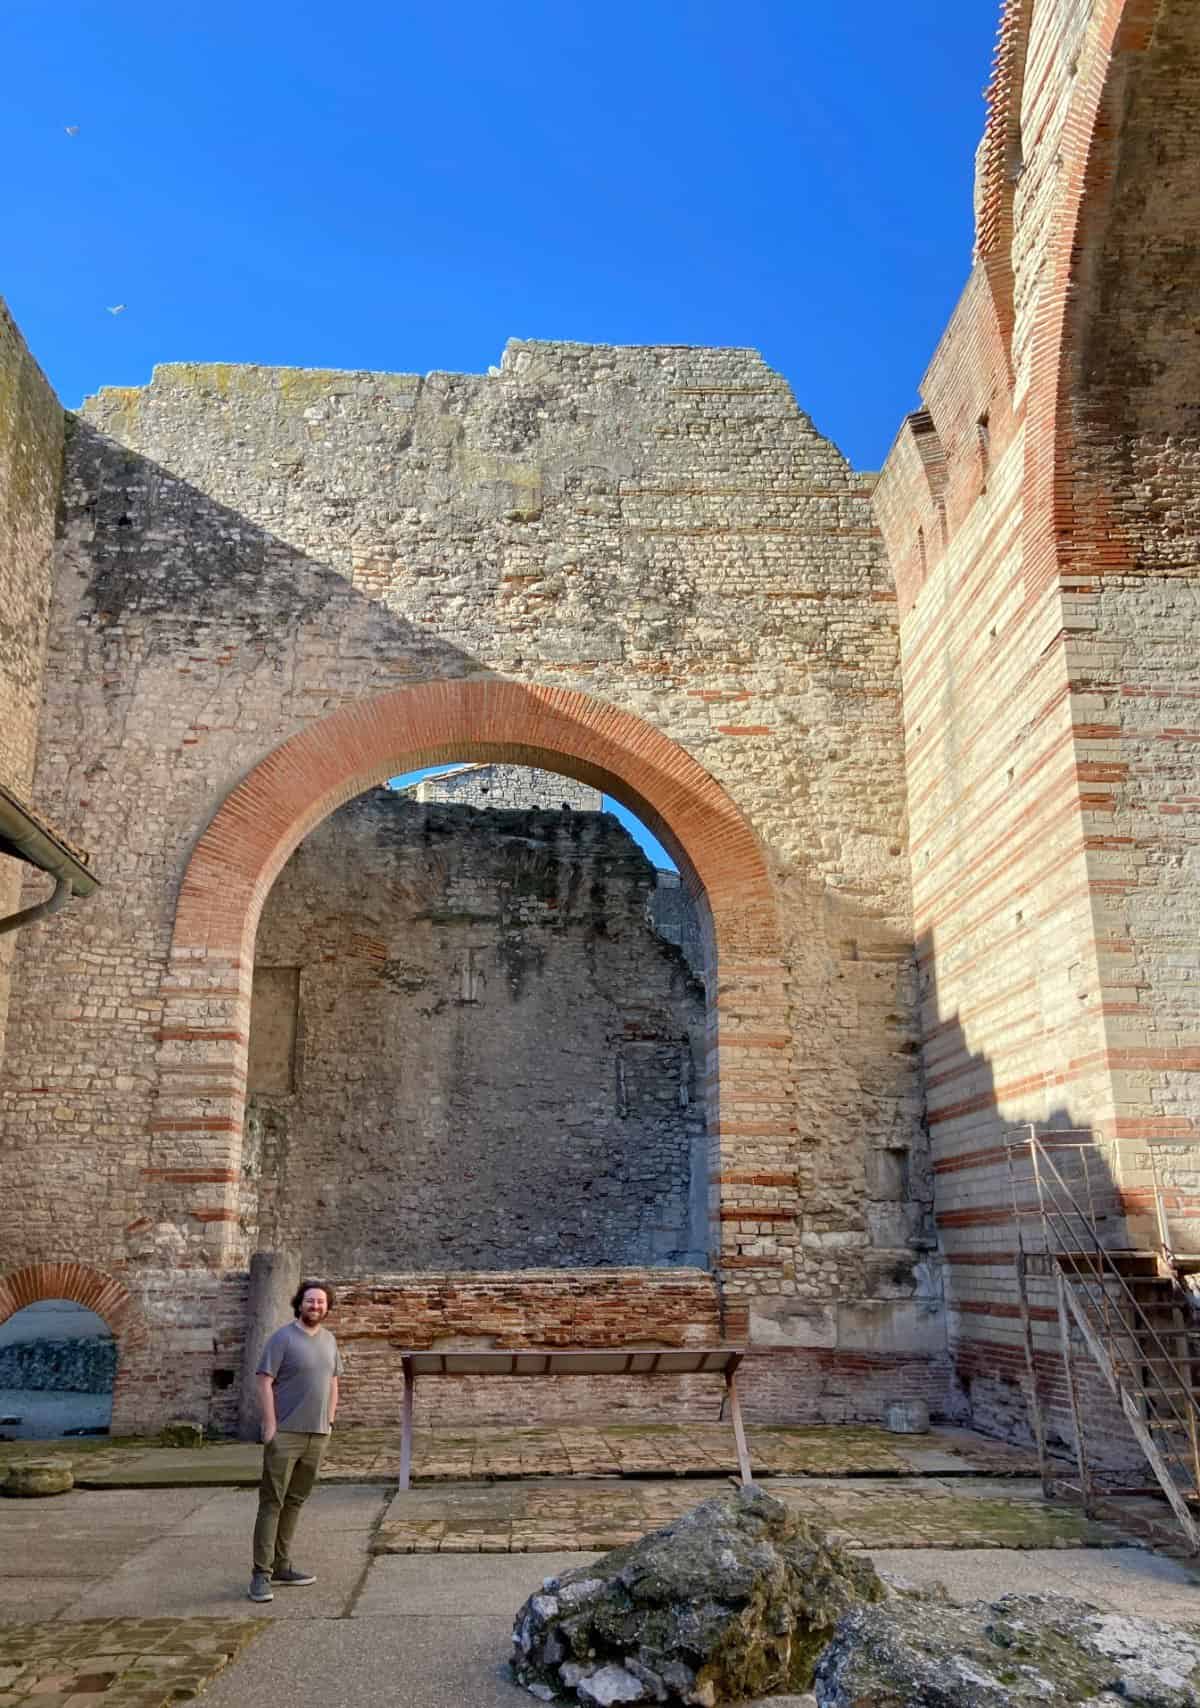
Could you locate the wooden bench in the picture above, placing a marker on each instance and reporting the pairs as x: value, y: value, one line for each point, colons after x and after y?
x: 575, y: 1361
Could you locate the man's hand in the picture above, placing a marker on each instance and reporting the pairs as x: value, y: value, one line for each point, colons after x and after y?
x: 266, y: 1401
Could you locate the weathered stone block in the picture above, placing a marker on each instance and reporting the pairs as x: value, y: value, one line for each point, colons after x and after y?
x: 792, y: 1322
x: 181, y: 1432
x: 33, y: 1477
x: 907, y: 1417
x: 900, y: 1325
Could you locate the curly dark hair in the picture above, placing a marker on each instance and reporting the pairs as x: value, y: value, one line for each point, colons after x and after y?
x: 302, y: 1289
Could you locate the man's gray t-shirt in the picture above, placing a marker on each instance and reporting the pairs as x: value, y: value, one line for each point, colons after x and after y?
x: 303, y: 1366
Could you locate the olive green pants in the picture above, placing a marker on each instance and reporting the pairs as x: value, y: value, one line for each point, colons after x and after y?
x: 291, y: 1460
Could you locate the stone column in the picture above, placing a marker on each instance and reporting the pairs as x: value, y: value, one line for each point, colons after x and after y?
x: 274, y: 1277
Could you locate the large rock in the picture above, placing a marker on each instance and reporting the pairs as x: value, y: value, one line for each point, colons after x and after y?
x: 735, y: 1599
x: 918, y: 1652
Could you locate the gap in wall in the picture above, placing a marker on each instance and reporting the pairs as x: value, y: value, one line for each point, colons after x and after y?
x: 477, y: 1037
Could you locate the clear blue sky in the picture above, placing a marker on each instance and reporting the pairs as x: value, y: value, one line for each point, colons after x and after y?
x: 406, y: 186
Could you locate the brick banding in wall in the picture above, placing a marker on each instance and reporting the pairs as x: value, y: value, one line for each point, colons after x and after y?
x: 1040, y: 514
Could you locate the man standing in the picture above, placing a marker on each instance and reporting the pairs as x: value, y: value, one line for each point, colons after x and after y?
x: 298, y: 1392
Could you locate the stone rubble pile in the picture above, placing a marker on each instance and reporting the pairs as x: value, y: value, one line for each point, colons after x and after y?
x: 739, y: 1600
x: 736, y: 1599
x: 919, y: 1652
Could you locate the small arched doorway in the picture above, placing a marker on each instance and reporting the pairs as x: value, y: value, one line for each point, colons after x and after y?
x: 58, y: 1366
x: 79, y: 1287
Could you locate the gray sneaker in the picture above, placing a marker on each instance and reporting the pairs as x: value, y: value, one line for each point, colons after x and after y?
x: 293, y: 1576
x: 260, y: 1587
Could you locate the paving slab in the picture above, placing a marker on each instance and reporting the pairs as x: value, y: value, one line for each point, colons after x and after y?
x: 82, y: 1536
x: 455, y: 1584
x: 932, y: 1461
x: 422, y: 1661
x: 24, y: 1599
x: 210, y: 1575
x: 1128, y: 1580
x: 631, y: 1450
x: 219, y: 1465
x: 550, y: 1515
x: 230, y: 1512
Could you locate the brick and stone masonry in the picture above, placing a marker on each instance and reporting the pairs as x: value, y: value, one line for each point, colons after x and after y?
x: 644, y: 568
x: 671, y: 908
x: 1040, y: 512
x: 470, y: 1050
x: 31, y: 441
x: 507, y: 786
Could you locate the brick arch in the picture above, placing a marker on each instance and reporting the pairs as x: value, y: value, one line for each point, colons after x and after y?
x: 97, y: 1291
x: 206, y: 995
x: 1065, y: 527
x: 270, y: 811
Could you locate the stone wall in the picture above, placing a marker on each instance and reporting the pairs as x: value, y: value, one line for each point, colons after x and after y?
x: 654, y: 545
x: 60, y: 1366
x: 670, y: 906
x: 526, y: 1308
x: 31, y: 446
x: 1040, y: 513
x: 469, y: 1049
x: 513, y: 786
x: 673, y: 915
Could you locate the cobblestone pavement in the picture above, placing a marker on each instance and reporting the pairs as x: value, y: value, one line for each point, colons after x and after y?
x: 671, y: 1450
x: 132, y: 1663
x: 531, y: 1517
x: 489, y: 1453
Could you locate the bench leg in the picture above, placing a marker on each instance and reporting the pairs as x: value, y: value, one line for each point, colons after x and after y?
x: 739, y: 1432
x: 406, y: 1424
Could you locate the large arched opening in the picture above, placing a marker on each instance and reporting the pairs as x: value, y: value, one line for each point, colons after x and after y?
x: 476, y: 1043
x: 199, y: 1127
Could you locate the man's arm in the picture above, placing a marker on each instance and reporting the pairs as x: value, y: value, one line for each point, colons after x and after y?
x: 266, y: 1404
x: 333, y: 1400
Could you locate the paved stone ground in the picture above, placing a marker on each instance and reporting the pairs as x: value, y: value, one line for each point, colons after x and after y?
x: 136, y: 1597
x: 664, y: 1450
x: 529, y: 1517
x: 133, y: 1663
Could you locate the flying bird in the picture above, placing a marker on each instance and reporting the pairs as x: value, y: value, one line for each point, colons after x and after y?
x: 71, y: 130
x: 119, y: 309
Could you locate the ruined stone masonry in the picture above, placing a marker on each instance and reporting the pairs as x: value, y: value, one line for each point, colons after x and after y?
x: 923, y: 745
x: 507, y: 786
x: 243, y: 641
x: 470, y: 1050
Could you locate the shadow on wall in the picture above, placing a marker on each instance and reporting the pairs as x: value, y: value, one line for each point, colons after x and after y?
x: 183, y: 601
x: 58, y: 1364
x: 987, y: 1211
